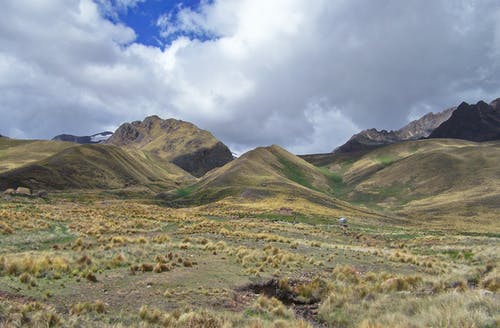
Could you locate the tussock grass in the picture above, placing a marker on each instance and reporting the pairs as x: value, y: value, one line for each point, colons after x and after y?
x: 97, y: 306
x: 375, y: 275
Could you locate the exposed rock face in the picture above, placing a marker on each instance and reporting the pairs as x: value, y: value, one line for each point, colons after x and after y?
x: 372, y: 138
x: 195, y: 150
x: 203, y: 160
x: 479, y: 122
x: 424, y: 126
x: 368, y: 139
x: 93, y: 139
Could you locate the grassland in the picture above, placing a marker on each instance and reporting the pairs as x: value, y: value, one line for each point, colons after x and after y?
x: 96, y: 259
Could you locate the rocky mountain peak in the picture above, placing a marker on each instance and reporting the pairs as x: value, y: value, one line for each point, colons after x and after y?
x: 479, y: 122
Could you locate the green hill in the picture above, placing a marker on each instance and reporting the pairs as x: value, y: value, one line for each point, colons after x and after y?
x: 94, y: 166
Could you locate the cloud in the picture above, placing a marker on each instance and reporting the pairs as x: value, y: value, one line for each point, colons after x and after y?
x: 302, y: 74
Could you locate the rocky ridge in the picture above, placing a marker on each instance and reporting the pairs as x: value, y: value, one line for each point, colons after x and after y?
x: 479, y: 122
x: 417, y: 129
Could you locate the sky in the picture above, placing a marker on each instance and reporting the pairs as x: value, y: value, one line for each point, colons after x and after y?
x: 302, y: 74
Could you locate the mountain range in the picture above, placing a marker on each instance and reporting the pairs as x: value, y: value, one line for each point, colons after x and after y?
x: 426, y: 166
x: 480, y: 122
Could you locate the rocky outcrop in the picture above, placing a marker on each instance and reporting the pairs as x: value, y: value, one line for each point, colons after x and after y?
x: 195, y: 150
x: 93, y: 139
x: 368, y: 139
x: 373, y: 138
x: 479, y: 122
x: 203, y: 160
x: 495, y: 103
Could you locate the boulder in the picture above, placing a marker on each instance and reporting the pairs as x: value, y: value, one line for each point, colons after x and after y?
x: 42, y: 194
x: 23, y: 191
x: 9, y: 191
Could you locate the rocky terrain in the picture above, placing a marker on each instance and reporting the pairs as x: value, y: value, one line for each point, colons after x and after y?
x: 479, y: 122
x: 373, y: 138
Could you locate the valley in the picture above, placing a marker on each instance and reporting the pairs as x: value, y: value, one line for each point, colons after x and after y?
x: 122, y: 234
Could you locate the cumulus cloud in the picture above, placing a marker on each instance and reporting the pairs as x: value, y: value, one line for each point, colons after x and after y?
x: 302, y: 74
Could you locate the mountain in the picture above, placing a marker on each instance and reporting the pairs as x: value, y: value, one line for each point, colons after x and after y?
x: 479, y: 122
x: 93, y: 139
x: 94, y: 167
x: 372, y: 138
x: 195, y: 150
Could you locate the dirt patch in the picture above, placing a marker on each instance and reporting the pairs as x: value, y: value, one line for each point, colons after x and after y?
x: 304, y: 308
x: 16, y: 298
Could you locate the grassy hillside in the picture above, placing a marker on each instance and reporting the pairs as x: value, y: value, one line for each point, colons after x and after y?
x: 259, y: 173
x: 94, y: 166
x: 16, y: 153
x: 441, y: 178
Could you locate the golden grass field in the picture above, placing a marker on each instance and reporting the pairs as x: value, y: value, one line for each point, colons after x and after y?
x: 93, y: 259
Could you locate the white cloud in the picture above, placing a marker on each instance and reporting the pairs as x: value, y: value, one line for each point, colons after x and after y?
x: 302, y: 74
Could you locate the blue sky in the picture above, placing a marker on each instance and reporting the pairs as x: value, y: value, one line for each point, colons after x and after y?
x: 143, y: 16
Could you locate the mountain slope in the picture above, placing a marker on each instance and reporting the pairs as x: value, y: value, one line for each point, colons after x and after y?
x: 372, y: 138
x: 93, y: 139
x: 434, y: 177
x: 16, y: 153
x: 480, y: 122
x: 93, y: 166
x: 182, y: 143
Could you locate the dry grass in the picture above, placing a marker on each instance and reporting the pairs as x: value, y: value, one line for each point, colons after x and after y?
x: 178, y: 262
